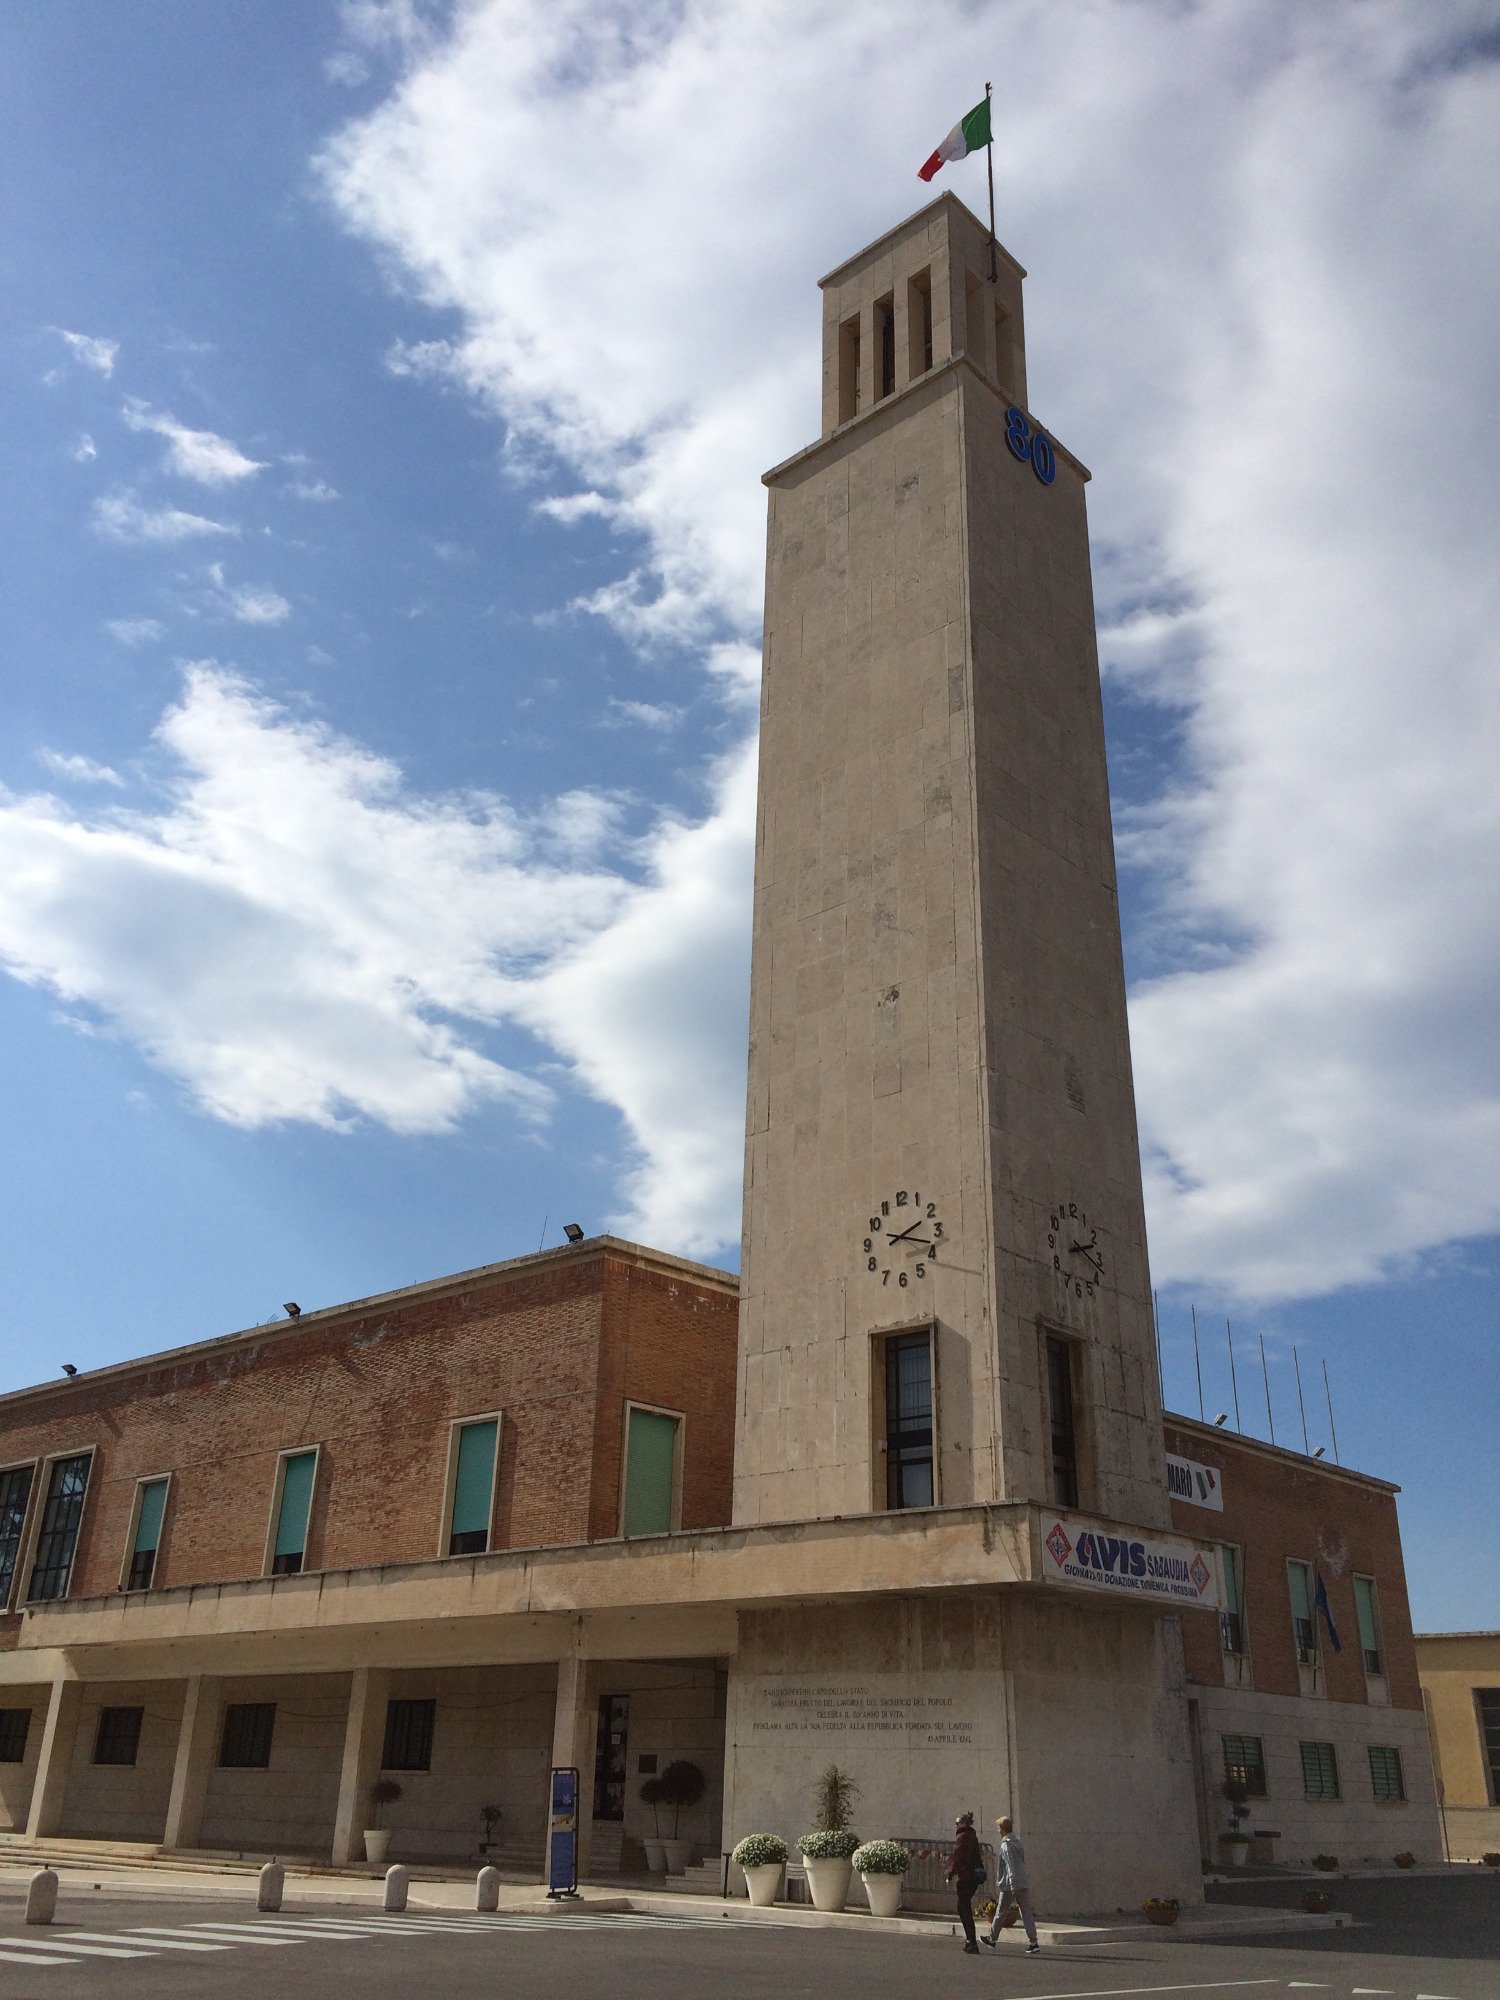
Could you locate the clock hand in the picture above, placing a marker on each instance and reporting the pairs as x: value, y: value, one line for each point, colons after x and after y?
x: 903, y: 1236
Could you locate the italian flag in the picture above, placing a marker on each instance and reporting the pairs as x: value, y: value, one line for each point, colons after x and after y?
x: 970, y: 133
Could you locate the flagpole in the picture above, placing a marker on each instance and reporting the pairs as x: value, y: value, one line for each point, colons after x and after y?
x: 989, y: 163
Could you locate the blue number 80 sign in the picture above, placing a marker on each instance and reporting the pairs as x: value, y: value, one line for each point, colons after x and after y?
x: 1027, y: 443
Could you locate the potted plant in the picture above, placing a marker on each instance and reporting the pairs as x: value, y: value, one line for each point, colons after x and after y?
x: 384, y: 1792
x: 1490, y: 1860
x: 1327, y: 1862
x: 489, y: 1818
x: 682, y: 1784
x: 1317, y: 1902
x: 1161, y: 1909
x: 880, y: 1865
x: 762, y: 1856
x: 655, y: 1846
x: 1405, y: 1860
x: 829, y: 1849
x: 1234, y: 1845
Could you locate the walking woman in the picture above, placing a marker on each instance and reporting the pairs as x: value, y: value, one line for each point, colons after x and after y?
x: 966, y: 1872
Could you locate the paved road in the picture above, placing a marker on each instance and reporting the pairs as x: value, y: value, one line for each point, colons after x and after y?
x: 1441, y: 1944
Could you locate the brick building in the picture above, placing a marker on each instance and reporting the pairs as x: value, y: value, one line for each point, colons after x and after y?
x: 899, y: 1498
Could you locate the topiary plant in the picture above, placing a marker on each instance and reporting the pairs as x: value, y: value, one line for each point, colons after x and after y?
x: 1407, y: 1860
x: 651, y: 1795
x: 682, y: 1784
x: 759, y: 1850
x: 1491, y: 1860
x: 384, y: 1792
x: 1327, y: 1862
x: 835, y: 1796
x: 881, y: 1857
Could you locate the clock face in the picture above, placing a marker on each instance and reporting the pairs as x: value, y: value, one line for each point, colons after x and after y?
x: 904, y: 1238
x: 1074, y: 1250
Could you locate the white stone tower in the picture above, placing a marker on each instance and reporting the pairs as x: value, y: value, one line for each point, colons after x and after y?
x: 942, y: 1177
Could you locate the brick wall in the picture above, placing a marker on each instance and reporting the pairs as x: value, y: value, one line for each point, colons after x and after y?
x: 556, y: 1343
x: 1278, y: 1506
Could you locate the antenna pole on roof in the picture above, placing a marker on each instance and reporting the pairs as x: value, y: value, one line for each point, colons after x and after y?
x: 1331, y: 1431
x: 1300, y: 1404
x: 1198, y: 1364
x: 1266, y: 1378
x: 1234, y: 1380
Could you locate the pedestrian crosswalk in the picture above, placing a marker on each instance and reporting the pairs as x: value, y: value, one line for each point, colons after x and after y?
x: 60, y: 1945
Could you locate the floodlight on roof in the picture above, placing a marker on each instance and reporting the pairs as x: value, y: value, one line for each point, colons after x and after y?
x: 573, y: 1231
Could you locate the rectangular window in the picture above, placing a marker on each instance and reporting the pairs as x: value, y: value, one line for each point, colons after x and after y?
x: 1304, y: 1632
x: 611, y: 1757
x: 1487, y: 1700
x: 293, y: 1505
x: 15, y: 1726
x: 885, y: 344
x: 67, y: 1483
x: 919, y: 324
x: 1063, y: 1431
x: 150, y: 1505
x: 473, y: 1487
x: 1320, y: 1771
x: 651, y: 1438
x: 408, y: 1736
x: 1386, y: 1780
x: 908, y: 1420
x: 1245, y: 1764
x: 15, y: 1492
x: 1005, y: 350
x: 246, y: 1742
x: 1232, y: 1618
x: 848, y: 370
x: 1369, y: 1624
x: 974, y: 320
x: 119, y: 1735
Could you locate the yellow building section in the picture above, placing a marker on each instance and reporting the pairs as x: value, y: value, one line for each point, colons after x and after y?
x: 1460, y: 1675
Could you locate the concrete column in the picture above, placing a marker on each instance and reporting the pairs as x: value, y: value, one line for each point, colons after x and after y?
x: 63, y: 1706
x: 574, y: 1726
x: 364, y: 1739
x: 197, y: 1747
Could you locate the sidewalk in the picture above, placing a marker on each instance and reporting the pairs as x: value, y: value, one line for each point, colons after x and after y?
x: 81, y: 1877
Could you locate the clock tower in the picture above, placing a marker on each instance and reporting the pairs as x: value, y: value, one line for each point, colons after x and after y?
x: 944, y: 1295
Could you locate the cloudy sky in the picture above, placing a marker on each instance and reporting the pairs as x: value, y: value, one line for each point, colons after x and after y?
x: 386, y: 389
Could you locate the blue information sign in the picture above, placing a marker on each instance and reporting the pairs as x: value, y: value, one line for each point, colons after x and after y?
x: 562, y: 1834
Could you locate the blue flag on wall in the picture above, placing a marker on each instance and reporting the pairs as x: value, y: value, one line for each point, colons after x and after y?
x: 1321, y: 1598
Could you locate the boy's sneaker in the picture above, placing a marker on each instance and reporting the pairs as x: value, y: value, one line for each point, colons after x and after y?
x: 1031, y: 1948
x: 987, y: 1939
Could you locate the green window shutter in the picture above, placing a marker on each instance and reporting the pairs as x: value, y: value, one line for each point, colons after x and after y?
x: 474, y: 1479
x: 148, y: 1521
x: 296, y: 1498
x: 1301, y: 1596
x: 1364, y: 1604
x: 650, y: 1456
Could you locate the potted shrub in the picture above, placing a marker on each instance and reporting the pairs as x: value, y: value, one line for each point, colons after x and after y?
x: 1405, y: 1860
x: 829, y: 1849
x: 1161, y: 1909
x: 1491, y: 1860
x: 763, y: 1857
x: 384, y: 1792
x: 682, y: 1784
x: 655, y: 1846
x: 1327, y: 1862
x: 1234, y: 1844
x: 880, y: 1865
x: 1317, y: 1902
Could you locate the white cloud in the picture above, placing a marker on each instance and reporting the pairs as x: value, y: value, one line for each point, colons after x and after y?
x: 658, y: 715
x: 134, y: 631
x: 120, y: 517
x: 312, y: 489
x: 291, y: 935
x: 85, y: 449
x: 83, y: 770
x: 249, y: 603
x: 1261, y: 308
x: 201, y: 455
x: 92, y: 351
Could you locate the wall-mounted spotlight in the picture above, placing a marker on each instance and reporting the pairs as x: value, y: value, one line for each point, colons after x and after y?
x: 573, y: 1231
x: 69, y: 1370
x: 292, y: 1309
x: 1221, y: 1419
x: 1319, y: 1452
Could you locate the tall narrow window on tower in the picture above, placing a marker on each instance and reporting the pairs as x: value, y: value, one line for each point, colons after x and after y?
x: 885, y: 344
x: 919, y: 324
x: 908, y: 1420
x: 1005, y: 352
x: 1060, y: 1406
x: 848, y: 370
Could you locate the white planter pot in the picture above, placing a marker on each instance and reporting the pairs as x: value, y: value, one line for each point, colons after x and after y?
x: 829, y: 1882
x: 377, y: 1844
x: 764, y: 1883
x: 679, y: 1854
x: 884, y: 1893
x: 1234, y: 1850
x: 656, y: 1856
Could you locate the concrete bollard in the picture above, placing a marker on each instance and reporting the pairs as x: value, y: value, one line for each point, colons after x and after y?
x: 487, y: 1889
x: 41, y: 1897
x: 272, y: 1882
x: 397, y: 1882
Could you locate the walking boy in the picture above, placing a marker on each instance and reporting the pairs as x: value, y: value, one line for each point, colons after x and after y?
x: 1010, y: 1864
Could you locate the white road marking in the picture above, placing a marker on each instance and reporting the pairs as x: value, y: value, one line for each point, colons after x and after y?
x: 157, y: 1943
x: 1116, y: 1992
x: 25, y: 1958
x: 65, y: 1943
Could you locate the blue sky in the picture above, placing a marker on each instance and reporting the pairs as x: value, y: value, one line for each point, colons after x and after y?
x: 386, y: 389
